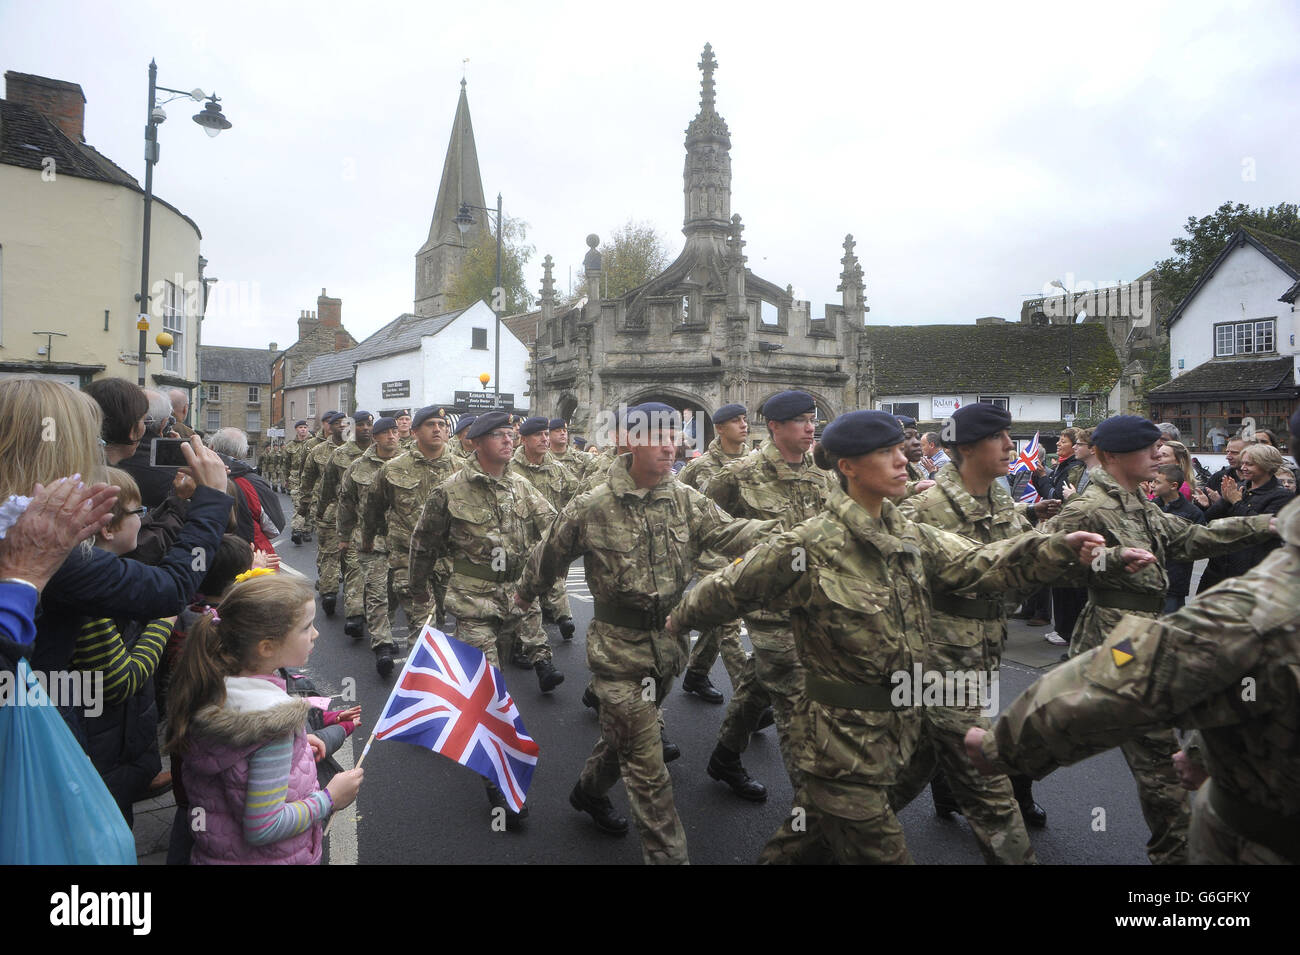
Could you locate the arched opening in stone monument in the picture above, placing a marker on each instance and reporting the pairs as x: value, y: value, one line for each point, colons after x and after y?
x: 697, y: 425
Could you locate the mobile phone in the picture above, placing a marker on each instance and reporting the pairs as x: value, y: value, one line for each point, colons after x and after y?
x: 166, y: 453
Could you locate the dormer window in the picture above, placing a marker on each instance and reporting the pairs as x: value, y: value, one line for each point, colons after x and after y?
x: 1245, y: 338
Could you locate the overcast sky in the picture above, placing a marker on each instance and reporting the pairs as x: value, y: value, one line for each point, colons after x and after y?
x: 975, y: 151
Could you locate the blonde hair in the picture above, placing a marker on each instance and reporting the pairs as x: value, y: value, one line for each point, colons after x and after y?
x: 128, y: 498
x: 47, y: 431
x: 1264, y: 456
x: 1184, y: 459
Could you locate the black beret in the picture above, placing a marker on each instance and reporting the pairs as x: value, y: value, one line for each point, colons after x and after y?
x: 360, y: 416
x: 329, y: 416
x: 785, y: 405
x: 384, y: 424
x: 427, y: 412
x: 727, y: 412
x: 1125, y: 432
x: 861, y: 432
x: 488, y: 422
x: 652, y: 414
x: 977, y: 421
x: 464, y: 423
x: 556, y: 423
x: 532, y: 426
x: 300, y: 424
x: 404, y: 413
x: 905, y: 421
x: 580, y: 442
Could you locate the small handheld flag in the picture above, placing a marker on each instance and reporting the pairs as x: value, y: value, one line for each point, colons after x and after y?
x: 1026, y: 460
x: 1030, y: 494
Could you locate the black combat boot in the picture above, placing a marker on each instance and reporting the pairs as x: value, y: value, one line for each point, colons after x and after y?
x: 725, y: 766
x: 296, y: 537
x: 327, y: 603
x: 1034, y: 814
x: 671, y: 749
x: 701, y: 686
x: 355, y: 627
x: 519, y: 658
x: 944, y: 804
x: 498, y: 800
x: 548, y: 678
x: 384, y: 659
x: 600, y: 809
x: 567, y: 629
x: 765, y: 719
x: 590, y: 700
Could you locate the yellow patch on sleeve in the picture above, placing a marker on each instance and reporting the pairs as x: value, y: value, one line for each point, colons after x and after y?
x: 1122, y: 653
x: 739, y: 560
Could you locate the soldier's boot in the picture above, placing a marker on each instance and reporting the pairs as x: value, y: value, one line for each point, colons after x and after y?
x: 384, y: 654
x: 944, y: 803
x: 701, y: 686
x: 567, y: 629
x: 548, y: 678
x: 600, y: 809
x: 355, y: 627
x: 1034, y: 814
x: 296, y: 537
x: 498, y: 800
x: 671, y: 749
x: 765, y: 719
x: 327, y: 602
x: 590, y: 700
x: 725, y: 766
x: 519, y: 657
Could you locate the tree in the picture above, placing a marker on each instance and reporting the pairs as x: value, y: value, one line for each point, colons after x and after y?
x: 1207, y: 236
x: 632, y: 256
x: 476, y: 278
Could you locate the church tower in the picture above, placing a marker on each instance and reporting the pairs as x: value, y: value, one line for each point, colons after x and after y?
x: 443, y: 252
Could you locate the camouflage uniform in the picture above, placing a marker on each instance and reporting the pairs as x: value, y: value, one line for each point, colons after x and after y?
x: 914, y: 477
x: 859, y: 603
x: 327, y: 501
x: 1229, y: 663
x: 639, y: 548
x: 391, y: 512
x: 486, y: 526
x: 579, y: 463
x: 1130, y: 520
x: 966, y: 635
x: 764, y: 486
x: 358, y: 484
x: 295, y: 456
x: 327, y: 545
x: 557, y: 485
x: 726, y: 638
x: 599, y: 470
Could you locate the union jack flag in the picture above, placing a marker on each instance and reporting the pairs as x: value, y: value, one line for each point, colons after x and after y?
x: 449, y: 699
x: 1027, y: 459
x: 1030, y: 494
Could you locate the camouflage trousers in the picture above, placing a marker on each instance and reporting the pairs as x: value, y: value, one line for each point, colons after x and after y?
x: 1211, y: 841
x: 416, y: 613
x: 1164, y: 800
x: 497, y: 637
x: 772, y: 675
x: 987, y: 802
x: 724, y: 640
x: 814, y: 836
x: 327, y: 558
x: 630, y: 747
x: 556, y: 601
x: 377, y: 596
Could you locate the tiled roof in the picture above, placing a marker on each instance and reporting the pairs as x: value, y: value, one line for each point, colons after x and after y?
x: 1284, y: 253
x: 997, y: 359
x: 401, y: 334
x: 1255, y: 376
x: 250, y: 365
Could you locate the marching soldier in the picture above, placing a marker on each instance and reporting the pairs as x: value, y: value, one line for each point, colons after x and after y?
x: 856, y: 581
x: 313, y: 475
x: 327, y: 513
x: 1112, y: 505
x: 377, y: 594
x: 731, y: 424
x: 462, y: 446
x: 534, y: 462
x: 779, y: 482
x: 405, y: 438
x: 401, y: 488
x: 577, y: 462
x: 640, y: 535
x: 294, y: 458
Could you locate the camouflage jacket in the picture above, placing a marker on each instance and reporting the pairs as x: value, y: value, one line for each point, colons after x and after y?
x: 554, y: 480
x: 915, y: 475
x: 493, y: 523
x: 857, y: 590
x: 313, y: 473
x: 639, y: 549
x: 401, y: 488
x: 703, y: 469
x: 295, y: 456
x: 1126, y: 519
x: 358, y: 484
x: 1228, y: 663
x: 962, y: 642
x: 579, y: 463
x: 327, y: 496
x: 598, y: 471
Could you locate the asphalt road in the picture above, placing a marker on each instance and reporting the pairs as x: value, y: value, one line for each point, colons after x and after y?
x: 418, y: 807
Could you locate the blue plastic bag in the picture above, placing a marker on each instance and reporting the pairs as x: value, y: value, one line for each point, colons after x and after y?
x: 54, y: 808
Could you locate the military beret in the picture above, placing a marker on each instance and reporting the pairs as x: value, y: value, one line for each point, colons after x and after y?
x: 977, y: 421
x: 384, y: 424
x: 905, y: 421
x: 404, y: 413
x: 861, y: 432
x: 329, y: 416
x: 532, y: 426
x: 727, y: 412
x: 427, y: 412
x: 580, y: 442
x: 464, y: 423
x: 556, y: 423
x: 360, y: 416
x: 785, y: 405
x: 488, y: 422
x: 1125, y: 432
x: 300, y: 424
x: 652, y: 414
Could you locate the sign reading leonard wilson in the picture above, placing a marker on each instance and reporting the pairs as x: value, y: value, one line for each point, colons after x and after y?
x: 474, y: 401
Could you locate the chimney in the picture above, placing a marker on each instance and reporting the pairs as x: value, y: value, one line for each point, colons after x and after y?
x: 306, y: 324
x: 61, y: 102
x: 330, y: 309
x: 274, y: 348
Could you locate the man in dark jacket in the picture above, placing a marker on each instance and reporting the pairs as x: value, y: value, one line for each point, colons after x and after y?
x: 232, y: 445
x: 1169, y: 499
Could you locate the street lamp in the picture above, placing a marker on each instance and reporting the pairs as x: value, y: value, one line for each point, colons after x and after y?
x: 213, y: 122
x: 464, y: 219
x: 1068, y: 417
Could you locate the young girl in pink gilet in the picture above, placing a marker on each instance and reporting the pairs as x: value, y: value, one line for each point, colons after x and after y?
x: 250, y: 768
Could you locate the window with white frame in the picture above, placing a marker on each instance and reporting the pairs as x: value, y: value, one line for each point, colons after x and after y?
x: 214, y: 393
x: 254, y: 395
x: 174, y: 305
x: 214, y: 419
x: 1245, y: 338
x: 254, y: 422
x: 1003, y: 401
x: 910, y: 409
x: 344, y: 398
x: 1079, y: 407
x: 311, y: 402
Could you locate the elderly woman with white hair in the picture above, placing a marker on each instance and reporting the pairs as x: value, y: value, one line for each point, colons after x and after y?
x: 1258, y: 493
x: 259, y: 517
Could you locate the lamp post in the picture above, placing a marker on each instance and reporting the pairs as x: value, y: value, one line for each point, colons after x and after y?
x: 1068, y: 417
x: 213, y: 122
x: 464, y: 219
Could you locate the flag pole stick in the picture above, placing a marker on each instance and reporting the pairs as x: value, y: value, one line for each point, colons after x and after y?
x: 366, y: 748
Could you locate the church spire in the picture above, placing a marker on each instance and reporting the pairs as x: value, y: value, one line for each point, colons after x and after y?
x: 708, y: 161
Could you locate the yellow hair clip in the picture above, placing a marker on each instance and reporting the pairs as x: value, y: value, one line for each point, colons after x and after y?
x: 255, y: 572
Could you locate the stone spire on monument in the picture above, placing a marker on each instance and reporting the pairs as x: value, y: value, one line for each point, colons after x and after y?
x: 708, y: 161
